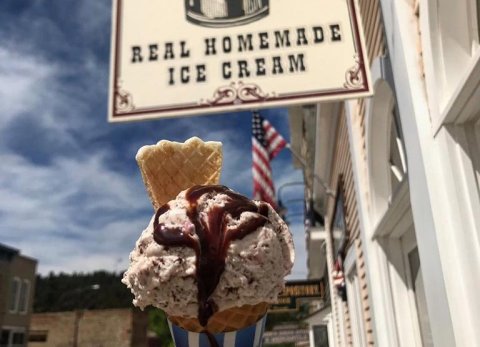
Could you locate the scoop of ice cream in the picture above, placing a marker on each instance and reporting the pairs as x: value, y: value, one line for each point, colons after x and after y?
x: 208, y: 250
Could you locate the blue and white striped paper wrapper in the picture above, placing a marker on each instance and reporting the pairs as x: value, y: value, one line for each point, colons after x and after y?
x: 251, y: 336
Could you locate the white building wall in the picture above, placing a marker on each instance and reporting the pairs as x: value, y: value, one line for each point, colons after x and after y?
x: 442, y: 158
x: 436, y: 77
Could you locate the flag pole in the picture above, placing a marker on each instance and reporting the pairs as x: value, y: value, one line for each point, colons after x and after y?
x: 327, y: 189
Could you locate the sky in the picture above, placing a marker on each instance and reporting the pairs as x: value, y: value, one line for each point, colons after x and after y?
x: 71, y: 195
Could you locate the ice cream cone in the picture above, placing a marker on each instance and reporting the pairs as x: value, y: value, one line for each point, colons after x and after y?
x: 169, y: 167
x: 170, y: 262
x: 250, y: 335
x: 231, y: 319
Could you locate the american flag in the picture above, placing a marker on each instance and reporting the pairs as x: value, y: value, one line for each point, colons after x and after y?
x: 266, y: 144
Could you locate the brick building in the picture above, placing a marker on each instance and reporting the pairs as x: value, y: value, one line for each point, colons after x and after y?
x: 92, y: 328
x: 17, y: 283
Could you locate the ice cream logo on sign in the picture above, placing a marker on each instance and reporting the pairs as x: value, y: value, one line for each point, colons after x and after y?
x: 225, y: 13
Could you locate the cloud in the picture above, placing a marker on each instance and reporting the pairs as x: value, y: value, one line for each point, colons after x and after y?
x: 40, y: 114
x: 23, y: 80
x: 70, y: 192
x: 72, y: 209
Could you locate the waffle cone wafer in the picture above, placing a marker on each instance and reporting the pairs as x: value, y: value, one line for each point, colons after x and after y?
x: 169, y: 167
x: 231, y: 319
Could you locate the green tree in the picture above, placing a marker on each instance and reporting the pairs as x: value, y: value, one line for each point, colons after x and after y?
x: 157, y: 322
x: 66, y: 292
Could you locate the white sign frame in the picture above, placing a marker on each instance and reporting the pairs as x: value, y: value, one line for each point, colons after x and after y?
x: 234, y: 95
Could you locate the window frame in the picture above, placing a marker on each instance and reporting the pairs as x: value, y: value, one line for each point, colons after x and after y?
x: 408, y: 244
x: 446, y: 97
x: 42, y: 334
x: 345, y: 232
x: 354, y: 296
x: 26, y: 301
x: 15, y: 330
x: 16, y: 296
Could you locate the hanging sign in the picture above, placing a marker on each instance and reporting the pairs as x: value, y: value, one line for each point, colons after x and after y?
x: 297, y: 290
x: 173, y: 58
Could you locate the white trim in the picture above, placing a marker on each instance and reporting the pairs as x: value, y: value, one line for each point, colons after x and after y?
x: 439, y: 205
x: 378, y: 123
x: 331, y: 339
x: 337, y: 301
x: 354, y: 299
x: 450, y: 49
x: 392, y: 223
x: 311, y: 337
x: 338, y: 328
x: 383, y: 322
x: 323, y: 317
x: 396, y: 226
x: 408, y: 244
x: 456, y: 164
x: 463, y: 105
x: 405, y: 322
x: 426, y: 193
x: 460, y: 231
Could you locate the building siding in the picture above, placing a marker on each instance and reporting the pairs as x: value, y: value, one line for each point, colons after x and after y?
x: 370, y: 13
x: 343, y: 168
x: 108, y: 328
x: 24, y: 269
x: 14, y: 265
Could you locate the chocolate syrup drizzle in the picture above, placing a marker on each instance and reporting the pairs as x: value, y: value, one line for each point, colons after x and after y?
x: 212, y: 241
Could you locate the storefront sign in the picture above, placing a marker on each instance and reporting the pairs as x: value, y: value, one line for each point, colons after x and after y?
x: 294, y: 290
x: 173, y: 58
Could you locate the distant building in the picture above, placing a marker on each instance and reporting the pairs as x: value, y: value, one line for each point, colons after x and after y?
x: 17, y: 283
x: 89, y: 328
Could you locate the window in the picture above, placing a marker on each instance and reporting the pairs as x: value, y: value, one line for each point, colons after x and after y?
x: 24, y: 296
x: 18, y: 339
x: 420, y: 300
x: 398, y: 166
x: 38, y: 336
x: 450, y: 47
x: 19, y: 295
x: 339, y: 236
x: 399, y: 299
x: 4, y: 338
x: 416, y: 291
x: 14, y: 295
x: 320, y: 336
x: 339, y: 228
x: 14, y: 337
